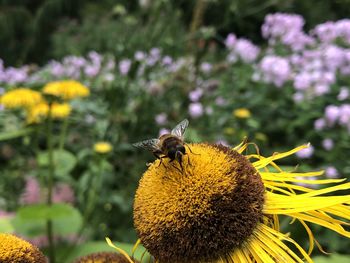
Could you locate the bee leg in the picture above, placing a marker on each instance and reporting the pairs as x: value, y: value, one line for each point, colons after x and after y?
x: 191, y: 150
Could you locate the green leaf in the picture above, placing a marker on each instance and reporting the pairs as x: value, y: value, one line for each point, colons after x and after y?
x: 69, y: 254
x: 335, y: 258
x: 31, y: 220
x: 15, y: 134
x: 45, y: 212
x: 6, y: 225
x: 64, y: 161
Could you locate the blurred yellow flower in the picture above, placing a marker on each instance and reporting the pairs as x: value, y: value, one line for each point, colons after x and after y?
x: 66, y: 89
x: 242, y: 113
x: 102, y: 147
x: 16, y: 250
x: 41, y: 111
x: 20, y: 98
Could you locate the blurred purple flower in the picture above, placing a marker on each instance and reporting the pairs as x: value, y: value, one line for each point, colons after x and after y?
x: 206, y: 67
x: 246, y: 50
x: 195, y: 109
x: 230, y: 41
x: 344, y: 114
x: 167, y: 60
x: 320, y: 124
x: 161, y: 118
x: 124, y: 66
x: 331, y: 172
x: 63, y: 193
x: 56, y: 68
x: 328, y: 144
x: 305, y: 153
x: 195, y: 95
x: 220, y: 101
x: 343, y: 93
x: 275, y: 70
x: 95, y: 58
x: 31, y: 193
x: 302, y: 81
x: 332, y: 114
x: 298, y: 97
x: 91, y: 70
x: 321, y: 89
x: 139, y: 55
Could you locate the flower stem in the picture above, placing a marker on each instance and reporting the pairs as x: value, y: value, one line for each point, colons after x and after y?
x: 50, y: 184
x: 63, y: 134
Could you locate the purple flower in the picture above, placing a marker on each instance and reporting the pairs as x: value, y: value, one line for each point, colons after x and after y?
x: 139, y: 55
x: 328, y: 144
x: 246, y: 50
x: 302, y: 81
x: 331, y: 172
x: 63, y: 193
x: 56, y: 68
x: 230, y: 41
x: 206, y: 67
x: 161, y: 118
x: 91, y: 70
x: 220, y: 101
x: 195, y: 95
x: 124, y: 66
x: 275, y: 70
x: 167, y: 60
x: 31, y: 193
x: 343, y: 93
x: 321, y: 89
x: 320, y: 124
x: 195, y: 110
x: 298, y: 97
x: 305, y: 153
x: 344, y: 114
x: 332, y: 114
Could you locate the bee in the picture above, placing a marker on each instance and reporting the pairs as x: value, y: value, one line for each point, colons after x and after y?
x: 170, y: 145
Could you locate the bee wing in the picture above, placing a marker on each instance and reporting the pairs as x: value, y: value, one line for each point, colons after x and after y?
x: 150, y: 145
x: 180, y: 129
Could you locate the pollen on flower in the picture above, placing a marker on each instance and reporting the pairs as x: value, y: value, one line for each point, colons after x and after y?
x: 16, y: 250
x: 201, y: 212
x: 67, y: 89
x: 20, y: 98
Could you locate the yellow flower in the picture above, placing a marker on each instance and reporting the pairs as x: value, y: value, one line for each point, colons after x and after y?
x: 67, y: 89
x: 226, y: 209
x: 103, y: 257
x: 20, y: 98
x: 16, y: 250
x: 40, y: 112
x: 102, y: 147
x: 242, y: 113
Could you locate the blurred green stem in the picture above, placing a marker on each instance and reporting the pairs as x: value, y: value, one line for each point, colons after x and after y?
x: 95, y: 187
x: 50, y: 184
x: 63, y: 134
